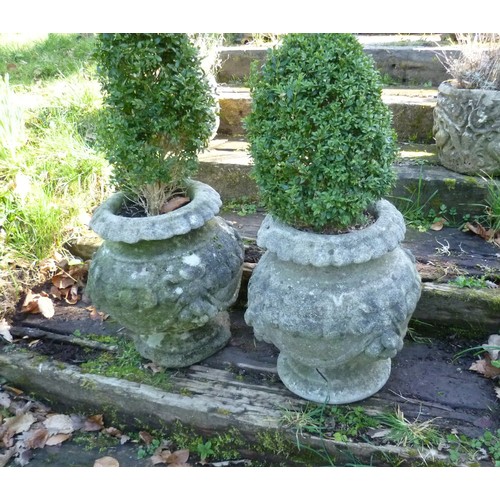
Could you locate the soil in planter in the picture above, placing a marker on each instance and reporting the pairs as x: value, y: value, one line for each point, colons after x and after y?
x: 133, y: 209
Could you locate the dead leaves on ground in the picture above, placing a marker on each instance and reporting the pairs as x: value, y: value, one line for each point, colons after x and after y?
x: 439, y: 224
x: 67, y: 278
x: 38, y: 303
x: 5, y: 330
x: 162, y: 455
x: 166, y: 457
x: 106, y: 462
x: 489, y: 365
x: 33, y: 425
x: 490, y: 235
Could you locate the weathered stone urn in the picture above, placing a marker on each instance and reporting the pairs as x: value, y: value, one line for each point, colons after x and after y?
x: 168, y: 279
x: 336, y: 306
x: 467, y: 129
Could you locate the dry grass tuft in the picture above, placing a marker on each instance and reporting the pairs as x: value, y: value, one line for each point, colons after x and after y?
x: 478, y: 66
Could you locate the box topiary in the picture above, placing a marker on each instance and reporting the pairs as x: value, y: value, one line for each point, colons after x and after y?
x: 157, y: 114
x: 320, y: 135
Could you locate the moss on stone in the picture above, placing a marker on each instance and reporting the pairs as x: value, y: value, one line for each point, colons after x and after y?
x: 450, y: 183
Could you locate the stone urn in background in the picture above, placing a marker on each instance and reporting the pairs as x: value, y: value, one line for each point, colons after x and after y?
x: 168, y: 279
x: 336, y: 306
x: 467, y: 129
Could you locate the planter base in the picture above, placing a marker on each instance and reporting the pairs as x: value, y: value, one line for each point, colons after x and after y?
x: 184, y: 349
x: 346, y: 384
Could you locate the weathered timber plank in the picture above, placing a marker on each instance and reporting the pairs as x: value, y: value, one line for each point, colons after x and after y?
x: 212, y: 400
x: 460, y: 308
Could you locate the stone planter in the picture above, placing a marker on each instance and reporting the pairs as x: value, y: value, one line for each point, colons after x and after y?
x: 337, y: 307
x: 467, y: 129
x: 168, y: 279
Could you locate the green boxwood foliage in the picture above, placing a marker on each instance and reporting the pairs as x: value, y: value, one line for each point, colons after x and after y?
x: 320, y: 135
x: 158, y: 109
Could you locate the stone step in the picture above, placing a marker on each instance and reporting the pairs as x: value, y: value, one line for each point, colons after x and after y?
x: 412, y: 111
x: 226, y: 166
x: 399, y: 65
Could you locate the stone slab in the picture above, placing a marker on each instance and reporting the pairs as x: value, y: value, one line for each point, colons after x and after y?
x: 412, y: 111
x: 227, y: 166
x: 398, y: 64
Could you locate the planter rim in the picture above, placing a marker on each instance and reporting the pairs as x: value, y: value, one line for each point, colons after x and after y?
x: 320, y: 250
x: 451, y: 85
x: 205, y: 204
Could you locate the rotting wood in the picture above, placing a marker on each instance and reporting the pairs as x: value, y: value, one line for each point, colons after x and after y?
x: 204, y: 398
x: 464, y: 308
x: 36, y: 333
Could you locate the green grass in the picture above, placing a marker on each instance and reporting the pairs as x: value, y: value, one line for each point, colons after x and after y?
x: 51, y: 175
x: 126, y: 364
x: 31, y: 60
x: 493, y: 205
x: 352, y: 423
x: 50, y: 172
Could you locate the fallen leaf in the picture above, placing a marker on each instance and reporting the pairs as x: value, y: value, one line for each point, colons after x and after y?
x: 113, y: 431
x: 124, y: 439
x: 62, y: 264
x: 78, y: 421
x: 4, y: 399
x: 146, y: 437
x: 96, y: 315
x: 485, y: 368
x: 46, y: 307
x: 438, y: 225
x: 178, y: 458
x: 19, y: 423
x: 73, y: 297
x: 59, y: 424
x: 5, y: 330
x: 48, y: 266
x: 30, y: 304
x: 93, y: 423
x: 486, y: 234
x: 57, y: 439
x: 106, y: 462
x: 38, y: 303
x: 160, y: 456
x: 62, y: 281
x: 174, y: 204
x: 5, y: 458
x: 36, y: 438
x: 55, y: 292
